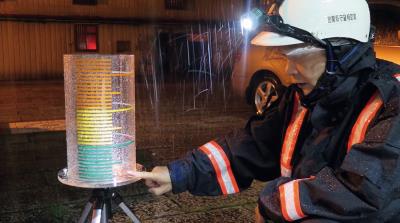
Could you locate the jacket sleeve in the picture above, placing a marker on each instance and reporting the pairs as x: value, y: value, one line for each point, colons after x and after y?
x: 366, y: 185
x: 229, y: 164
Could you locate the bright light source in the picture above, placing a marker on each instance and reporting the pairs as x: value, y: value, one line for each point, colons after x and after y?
x: 247, y: 24
x: 252, y: 20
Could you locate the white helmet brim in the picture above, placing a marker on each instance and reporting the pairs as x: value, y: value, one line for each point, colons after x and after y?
x: 273, y: 39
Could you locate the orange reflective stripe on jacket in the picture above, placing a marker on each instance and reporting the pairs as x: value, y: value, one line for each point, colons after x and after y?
x: 289, y: 193
x: 299, y: 112
x: 364, y: 119
x: 290, y: 201
x: 222, y: 167
x: 291, y: 135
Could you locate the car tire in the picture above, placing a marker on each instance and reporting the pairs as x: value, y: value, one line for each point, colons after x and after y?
x: 264, y: 90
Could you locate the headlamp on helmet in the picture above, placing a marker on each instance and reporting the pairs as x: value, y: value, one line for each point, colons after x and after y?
x: 257, y: 19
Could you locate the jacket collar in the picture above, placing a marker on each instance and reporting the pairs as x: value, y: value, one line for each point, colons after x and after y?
x: 358, y: 58
x: 383, y: 79
x: 354, y: 61
x: 333, y: 96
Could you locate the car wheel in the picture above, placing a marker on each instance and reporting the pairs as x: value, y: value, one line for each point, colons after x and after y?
x: 264, y: 91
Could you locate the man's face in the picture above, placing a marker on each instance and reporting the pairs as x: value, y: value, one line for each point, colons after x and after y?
x: 304, y: 64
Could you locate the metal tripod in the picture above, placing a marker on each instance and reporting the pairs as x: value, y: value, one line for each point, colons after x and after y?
x: 100, y: 206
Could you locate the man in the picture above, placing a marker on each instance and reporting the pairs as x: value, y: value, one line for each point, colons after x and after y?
x: 331, y: 148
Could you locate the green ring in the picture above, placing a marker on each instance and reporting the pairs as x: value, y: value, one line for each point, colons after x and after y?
x: 97, y: 178
x: 95, y: 156
x: 95, y: 169
x: 107, y: 146
x: 93, y: 175
x: 95, y: 172
x: 90, y: 152
x: 105, y: 160
x: 97, y: 164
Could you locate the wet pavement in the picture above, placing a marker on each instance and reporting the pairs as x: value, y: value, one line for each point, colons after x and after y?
x: 171, y: 119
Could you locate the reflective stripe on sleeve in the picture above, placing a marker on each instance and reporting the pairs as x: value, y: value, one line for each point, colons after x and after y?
x: 222, y: 167
x: 290, y: 201
x: 364, y: 120
x: 291, y: 135
x: 397, y: 76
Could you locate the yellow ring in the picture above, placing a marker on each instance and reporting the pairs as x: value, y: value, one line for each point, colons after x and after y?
x: 103, y: 129
x: 89, y: 133
x: 87, y: 111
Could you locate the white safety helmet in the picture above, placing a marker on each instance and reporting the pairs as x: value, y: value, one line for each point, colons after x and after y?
x: 323, y: 19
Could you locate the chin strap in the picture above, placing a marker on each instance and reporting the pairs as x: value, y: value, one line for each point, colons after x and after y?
x: 331, y: 60
x: 337, y: 70
x: 342, y: 65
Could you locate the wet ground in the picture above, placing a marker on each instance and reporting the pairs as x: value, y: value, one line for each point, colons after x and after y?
x: 171, y: 119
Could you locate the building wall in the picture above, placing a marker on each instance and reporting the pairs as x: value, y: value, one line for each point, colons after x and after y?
x: 35, y: 34
x: 197, y: 9
x: 30, y: 51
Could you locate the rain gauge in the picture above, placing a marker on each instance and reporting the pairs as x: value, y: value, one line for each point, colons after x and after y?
x: 100, y: 129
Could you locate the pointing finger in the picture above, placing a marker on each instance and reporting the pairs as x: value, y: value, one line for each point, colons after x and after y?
x: 143, y: 175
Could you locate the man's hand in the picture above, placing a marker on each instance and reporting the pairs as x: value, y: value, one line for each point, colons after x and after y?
x: 158, y: 180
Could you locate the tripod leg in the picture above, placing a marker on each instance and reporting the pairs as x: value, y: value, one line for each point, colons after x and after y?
x: 85, y: 212
x: 128, y: 212
x: 96, y: 216
x: 118, y: 200
x: 104, y: 214
x: 97, y: 210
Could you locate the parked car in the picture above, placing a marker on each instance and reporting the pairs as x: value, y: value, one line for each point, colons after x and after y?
x: 259, y: 74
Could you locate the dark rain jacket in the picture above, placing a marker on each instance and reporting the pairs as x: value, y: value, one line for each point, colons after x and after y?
x: 335, y: 158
